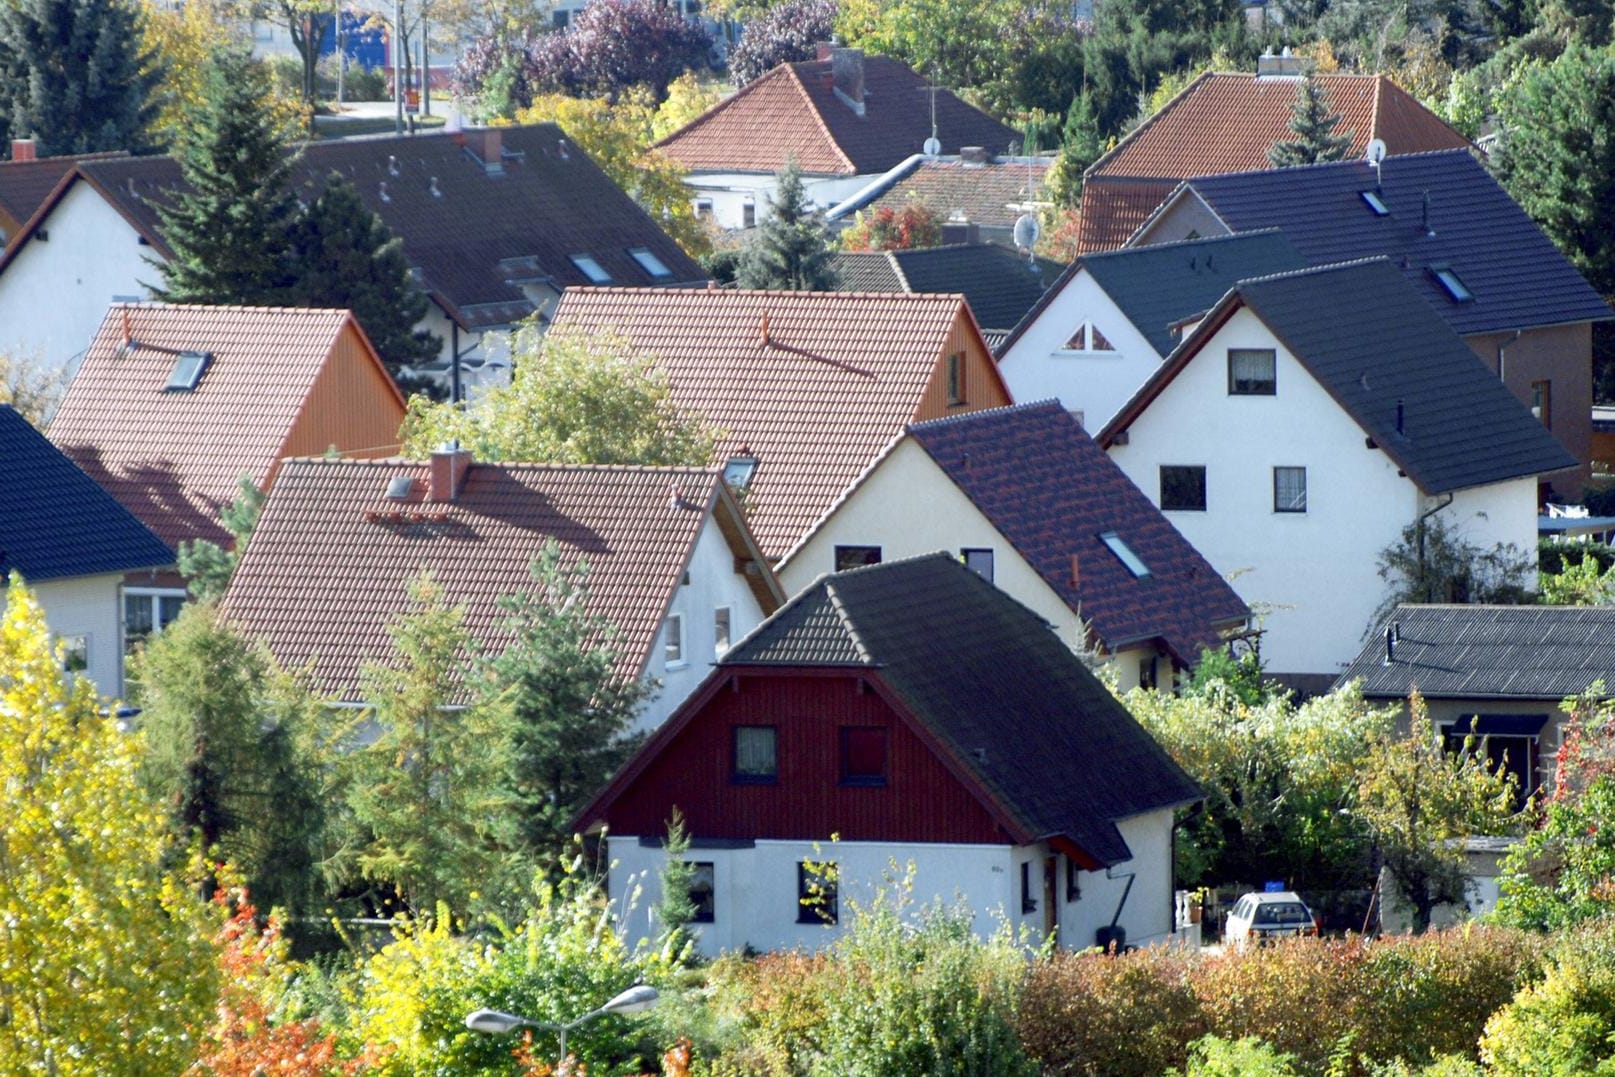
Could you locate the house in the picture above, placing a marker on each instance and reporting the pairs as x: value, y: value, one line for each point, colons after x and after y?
x: 1226, y: 122
x: 846, y: 119
x: 999, y: 284
x: 672, y: 566
x: 173, y: 405
x: 26, y: 180
x: 72, y: 543
x: 1603, y: 439
x: 807, y: 387
x: 1102, y: 329
x: 1459, y: 239
x: 1028, y: 501
x: 495, y: 224
x: 1306, y: 422
x: 979, y: 196
x: 1498, y: 673
x: 923, y: 717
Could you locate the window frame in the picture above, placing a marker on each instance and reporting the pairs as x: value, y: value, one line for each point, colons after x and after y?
x: 739, y: 777
x: 864, y: 779
x: 1251, y: 387
x: 153, y: 597
x: 673, y: 651
x: 843, y: 553
x: 1542, y: 402
x: 966, y: 554
x: 1278, y: 500
x: 1452, y: 284
x: 722, y: 630
x: 956, y: 379
x: 1205, y: 496
x: 1028, y: 899
x: 748, y: 213
x: 590, y: 267
x: 646, y: 259
x: 823, y: 907
x: 1128, y: 556
x: 706, y: 911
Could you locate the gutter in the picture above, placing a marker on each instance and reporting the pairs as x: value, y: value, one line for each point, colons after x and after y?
x: 874, y: 187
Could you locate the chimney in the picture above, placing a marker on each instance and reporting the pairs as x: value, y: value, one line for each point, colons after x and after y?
x: 960, y: 231
x: 1284, y: 65
x: 1390, y: 646
x: 24, y: 149
x: 486, y: 146
x: 450, y: 464
x: 823, y: 51
x: 975, y: 155
x: 847, y: 68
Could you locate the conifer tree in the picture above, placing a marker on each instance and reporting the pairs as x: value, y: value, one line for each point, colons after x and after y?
x: 1080, y: 146
x: 789, y: 250
x: 229, y: 226
x: 75, y: 75
x: 1313, y: 126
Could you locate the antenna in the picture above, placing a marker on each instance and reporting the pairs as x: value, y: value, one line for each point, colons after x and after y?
x: 933, y: 145
x: 1374, y: 154
x: 1026, y: 232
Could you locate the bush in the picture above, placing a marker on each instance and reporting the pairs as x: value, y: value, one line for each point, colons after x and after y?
x: 773, y: 1007
x: 1217, y: 1057
x: 1564, y: 1024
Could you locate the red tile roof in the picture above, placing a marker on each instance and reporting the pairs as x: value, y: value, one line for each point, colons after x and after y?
x: 793, y: 111
x: 839, y: 376
x: 980, y: 193
x: 329, y: 564
x: 173, y: 458
x: 1226, y: 122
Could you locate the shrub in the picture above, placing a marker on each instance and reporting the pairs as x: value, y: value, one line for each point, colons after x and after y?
x: 1213, y: 1056
x: 1564, y: 1024
x: 773, y: 1006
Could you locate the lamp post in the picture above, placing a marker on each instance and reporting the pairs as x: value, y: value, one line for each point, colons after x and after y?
x: 634, y: 1000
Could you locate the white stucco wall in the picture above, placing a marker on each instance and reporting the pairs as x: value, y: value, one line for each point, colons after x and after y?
x: 730, y: 191
x: 1097, y: 384
x: 92, y: 607
x: 1503, y: 512
x: 1147, y: 912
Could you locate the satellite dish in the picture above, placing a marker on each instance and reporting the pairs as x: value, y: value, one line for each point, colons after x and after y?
x: 933, y: 146
x: 1375, y: 153
x: 1026, y: 231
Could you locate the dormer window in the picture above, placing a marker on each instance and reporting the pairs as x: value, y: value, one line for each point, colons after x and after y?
x: 1124, y: 553
x: 1088, y: 338
x: 738, y: 471
x: 1376, y: 203
x: 592, y: 269
x: 1456, y: 289
x: 649, y: 262
x: 187, y: 372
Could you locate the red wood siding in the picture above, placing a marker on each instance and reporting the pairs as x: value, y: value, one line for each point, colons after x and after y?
x: 921, y: 802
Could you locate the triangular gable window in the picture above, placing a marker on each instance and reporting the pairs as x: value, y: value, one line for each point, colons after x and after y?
x: 1088, y: 338
x: 1097, y: 341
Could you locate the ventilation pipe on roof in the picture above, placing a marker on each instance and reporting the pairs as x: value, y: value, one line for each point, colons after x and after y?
x: 1401, y: 417
x: 392, y: 164
x: 450, y: 465
x: 437, y: 192
x: 385, y: 197
x: 1076, y: 571
x: 1429, y: 231
x: 764, y: 339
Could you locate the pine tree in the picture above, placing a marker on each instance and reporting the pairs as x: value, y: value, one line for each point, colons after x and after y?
x: 1313, y: 126
x: 347, y: 258
x: 75, y: 75
x: 789, y: 250
x: 1080, y: 146
x: 229, y: 226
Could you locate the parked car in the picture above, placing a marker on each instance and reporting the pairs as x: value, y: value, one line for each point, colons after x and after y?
x: 1261, y: 918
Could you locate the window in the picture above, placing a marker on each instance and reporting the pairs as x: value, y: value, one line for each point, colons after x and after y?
x: 817, y: 900
x: 1028, y: 901
x: 1146, y: 672
x: 1455, y: 288
x: 1542, y: 402
x: 702, y: 875
x: 75, y: 653
x: 980, y: 562
x: 956, y: 379
x: 591, y: 269
x: 856, y: 557
x: 1135, y: 564
x: 148, y: 610
x: 673, y: 641
x: 649, y: 262
x: 187, y: 372
x: 739, y: 470
x: 559, y: 18
x: 1508, y: 742
x: 1073, y: 880
x: 756, y: 754
x: 1289, y: 489
x: 1376, y: 203
x: 748, y: 214
x: 1252, y: 372
x: 720, y: 630
x: 1183, y: 488
x: 863, y: 755
x: 1088, y: 338
x: 703, y: 209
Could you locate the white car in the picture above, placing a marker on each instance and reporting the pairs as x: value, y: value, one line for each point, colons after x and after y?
x: 1261, y: 918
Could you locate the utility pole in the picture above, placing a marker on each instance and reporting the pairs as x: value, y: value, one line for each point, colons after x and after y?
x: 398, y: 64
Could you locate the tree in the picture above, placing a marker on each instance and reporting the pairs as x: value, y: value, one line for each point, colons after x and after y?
x: 347, y: 258
x: 573, y: 399
x: 676, y: 910
x: 105, y: 965
x: 307, y: 22
x: 208, y: 567
x: 785, y: 33
x: 1584, y: 583
x: 32, y: 386
x: 612, y: 45
x: 789, y: 250
x: 1080, y: 146
x: 229, y: 226
x: 75, y: 75
x: 1432, y: 562
x: 886, y: 229
x: 688, y: 98
x: 1313, y: 126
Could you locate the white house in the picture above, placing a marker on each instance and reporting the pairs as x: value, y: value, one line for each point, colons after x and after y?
x: 1306, y: 422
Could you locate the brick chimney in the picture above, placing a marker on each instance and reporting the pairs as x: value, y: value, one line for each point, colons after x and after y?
x: 24, y: 149
x: 1284, y: 65
x: 450, y: 464
x: 975, y: 155
x: 486, y: 146
x: 847, y: 68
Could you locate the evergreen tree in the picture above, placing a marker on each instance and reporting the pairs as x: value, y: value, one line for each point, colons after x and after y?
x: 347, y: 258
x: 229, y: 226
x: 75, y: 75
x: 207, y: 566
x: 789, y: 250
x: 1313, y: 126
x: 1080, y: 146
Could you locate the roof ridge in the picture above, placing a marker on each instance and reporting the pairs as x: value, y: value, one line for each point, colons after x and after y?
x: 1198, y: 241
x: 156, y: 305
x: 1327, y: 267
x: 983, y: 413
x: 735, y: 293
x: 897, y: 269
x: 1374, y: 107
x: 377, y: 462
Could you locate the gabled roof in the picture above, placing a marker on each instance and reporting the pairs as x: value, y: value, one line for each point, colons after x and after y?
x: 956, y: 189
x: 473, y: 241
x: 1378, y: 349
x: 24, y: 185
x: 1052, y: 493
x: 1516, y: 274
x: 1157, y: 287
x: 999, y: 284
x: 174, y: 457
x: 1490, y: 652
x: 1017, y: 713
x: 813, y: 383
x: 329, y: 564
x: 793, y: 111
x: 1226, y: 122
x: 55, y: 521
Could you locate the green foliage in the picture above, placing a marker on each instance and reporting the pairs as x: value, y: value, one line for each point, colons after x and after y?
x: 206, y: 566
x: 1080, y: 146
x: 1218, y: 674
x: 573, y: 398
x: 675, y: 910
x: 1313, y: 126
x: 772, y: 1006
x: 1432, y: 562
x: 1212, y: 1056
x: 1556, y: 555
x: 789, y: 251
x: 1584, y: 583
x: 1564, y: 1024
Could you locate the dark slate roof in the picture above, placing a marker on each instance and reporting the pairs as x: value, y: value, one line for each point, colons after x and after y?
x: 55, y: 521
x: 1155, y: 287
x: 24, y: 185
x: 999, y: 284
x: 1375, y: 345
x: 989, y: 678
x: 1490, y: 652
x: 1518, y: 277
x: 1045, y: 485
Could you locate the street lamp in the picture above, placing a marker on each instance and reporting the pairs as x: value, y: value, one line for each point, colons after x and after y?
x: 634, y: 1000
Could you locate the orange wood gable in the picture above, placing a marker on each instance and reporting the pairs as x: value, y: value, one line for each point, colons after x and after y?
x: 983, y: 386
x: 354, y: 408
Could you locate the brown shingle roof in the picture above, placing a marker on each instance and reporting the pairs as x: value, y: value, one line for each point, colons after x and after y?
x: 24, y: 185
x: 172, y: 458
x: 793, y: 111
x: 1226, y: 122
x: 329, y: 563
x: 840, y: 376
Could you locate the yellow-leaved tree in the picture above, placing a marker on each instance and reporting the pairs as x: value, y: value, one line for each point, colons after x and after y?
x: 106, y: 962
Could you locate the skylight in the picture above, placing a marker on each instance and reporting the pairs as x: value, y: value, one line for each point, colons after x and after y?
x: 1456, y: 288
x: 739, y: 470
x: 398, y: 487
x: 649, y: 262
x: 591, y: 268
x: 1376, y: 203
x: 187, y: 371
x: 1125, y: 554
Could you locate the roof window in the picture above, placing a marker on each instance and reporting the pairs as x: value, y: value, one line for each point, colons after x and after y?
x: 399, y: 486
x: 649, y: 262
x: 1457, y: 290
x: 187, y: 371
x: 1376, y: 203
x: 1135, y: 564
x: 738, y: 471
x: 591, y: 269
